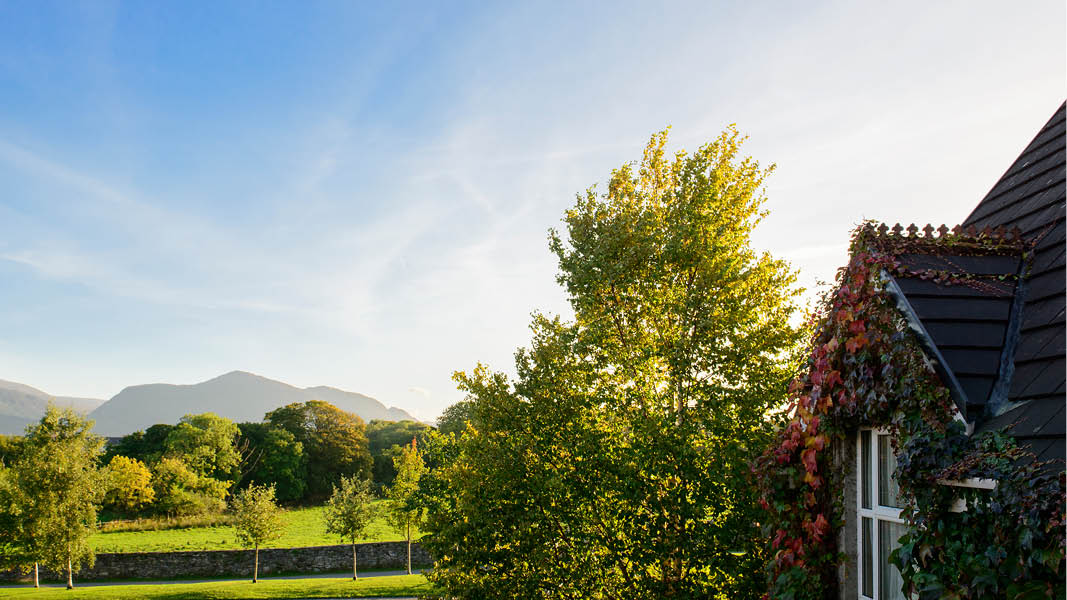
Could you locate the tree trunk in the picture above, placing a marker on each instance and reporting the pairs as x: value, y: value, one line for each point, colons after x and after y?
x: 354, y: 576
x: 70, y: 575
x: 36, y: 581
x: 409, y: 548
x: 255, y: 569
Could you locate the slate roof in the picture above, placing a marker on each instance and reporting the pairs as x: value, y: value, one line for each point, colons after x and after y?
x: 1031, y: 196
x: 998, y: 339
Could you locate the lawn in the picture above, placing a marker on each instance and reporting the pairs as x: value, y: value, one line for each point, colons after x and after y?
x: 370, y: 587
x: 305, y: 528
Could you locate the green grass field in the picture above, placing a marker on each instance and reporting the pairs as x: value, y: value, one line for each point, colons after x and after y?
x: 371, y: 587
x: 305, y: 528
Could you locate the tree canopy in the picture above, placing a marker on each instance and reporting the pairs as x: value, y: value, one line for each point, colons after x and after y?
x: 334, y: 442
x: 206, y: 443
x: 59, y: 486
x: 385, y: 439
x: 616, y: 463
x: 274, y: 458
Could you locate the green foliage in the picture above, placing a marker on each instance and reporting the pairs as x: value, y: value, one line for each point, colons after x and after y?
x: 9, y: 448
x: 146, y: 446
x: 385, y: 439
x: 400, y: 511
x: 57, y: 487
x: 865, y: 368
x: 334, y: 441
x: 350, y: 509
x: 206, y: 443
x: 180, y: 491
x: 129, y: 484
x: 257, y: 518
x: 274, y: 458
x: 454, y: 418
x: 615, y: 464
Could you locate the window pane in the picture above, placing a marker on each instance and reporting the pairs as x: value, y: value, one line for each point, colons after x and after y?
x: 866, y: 560
x: 888, y: 490
x: 889, y: 579
x: 865, y: 468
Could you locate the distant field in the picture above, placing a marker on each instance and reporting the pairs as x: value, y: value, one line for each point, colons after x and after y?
x: 306, y: 528
x: 370, y: 587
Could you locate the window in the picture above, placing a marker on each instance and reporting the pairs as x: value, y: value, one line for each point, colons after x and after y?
x: 880, y: 526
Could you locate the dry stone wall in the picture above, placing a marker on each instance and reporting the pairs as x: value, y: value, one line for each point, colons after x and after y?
x: 222, y: 563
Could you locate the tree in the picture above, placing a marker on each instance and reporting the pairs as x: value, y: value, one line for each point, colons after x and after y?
x: 180, y: 491
x: 146, y: 446
x: 616, y: 462
x: 349, y: 511
x: 129, y: 484
x: 206, y: 443
x: 402, y: 512
x: 454, y: 419
x: 384, y: 440
x: 274, y: 457
x: 16, y: 542
x: 334, y: 441
x: 56, y: 475
x: 257, y: 519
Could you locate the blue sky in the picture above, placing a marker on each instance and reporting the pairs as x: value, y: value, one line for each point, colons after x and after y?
x: 339, y: 194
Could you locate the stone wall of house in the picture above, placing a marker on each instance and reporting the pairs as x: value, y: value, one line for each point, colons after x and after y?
x: 238, y: 563
x: 844, y: 465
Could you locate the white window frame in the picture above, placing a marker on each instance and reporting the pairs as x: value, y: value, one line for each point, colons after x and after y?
x: 876, y: 513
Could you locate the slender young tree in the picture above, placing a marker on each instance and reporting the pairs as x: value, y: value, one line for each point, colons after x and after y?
x: 349, y: 511
x: 257, y: 519
x: 402, y: 513
x: 56, y: 475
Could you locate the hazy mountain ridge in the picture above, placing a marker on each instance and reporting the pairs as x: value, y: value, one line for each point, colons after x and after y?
x: 21, y: 405
x: 238, y: 395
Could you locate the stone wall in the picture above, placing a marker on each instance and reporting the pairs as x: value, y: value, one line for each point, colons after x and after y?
x: 221, y: 563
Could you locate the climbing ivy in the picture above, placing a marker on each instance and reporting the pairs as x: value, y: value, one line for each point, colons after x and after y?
x: 866, y: 368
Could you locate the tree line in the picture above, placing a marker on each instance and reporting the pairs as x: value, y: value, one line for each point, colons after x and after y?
x: 56, y: 478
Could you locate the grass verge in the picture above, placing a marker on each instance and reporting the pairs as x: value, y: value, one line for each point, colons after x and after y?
x: 390, y: 586
x: 305, y: 528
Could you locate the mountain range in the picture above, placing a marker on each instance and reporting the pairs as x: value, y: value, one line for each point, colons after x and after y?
x: 238, y: 395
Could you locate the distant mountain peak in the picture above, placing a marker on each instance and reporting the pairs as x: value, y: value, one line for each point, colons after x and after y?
x: 238, y: 395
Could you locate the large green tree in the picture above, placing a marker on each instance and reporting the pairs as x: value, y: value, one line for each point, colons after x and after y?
x: 274, y: 457
x: 178, y: 490
x: 57, y: 479
x: 334, y: 442
x: 615, y: 463
x: 207, y: 443
x: 385, y: 440
x: 146, y: 446
x: 454, y: 418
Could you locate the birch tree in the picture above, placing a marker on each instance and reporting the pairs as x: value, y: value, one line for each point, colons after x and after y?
x: 60, y: 486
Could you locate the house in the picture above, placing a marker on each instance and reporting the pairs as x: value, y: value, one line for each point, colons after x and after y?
x: 931, y: 418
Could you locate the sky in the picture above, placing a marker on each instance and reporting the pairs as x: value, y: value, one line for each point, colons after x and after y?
x: 359, y: 196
